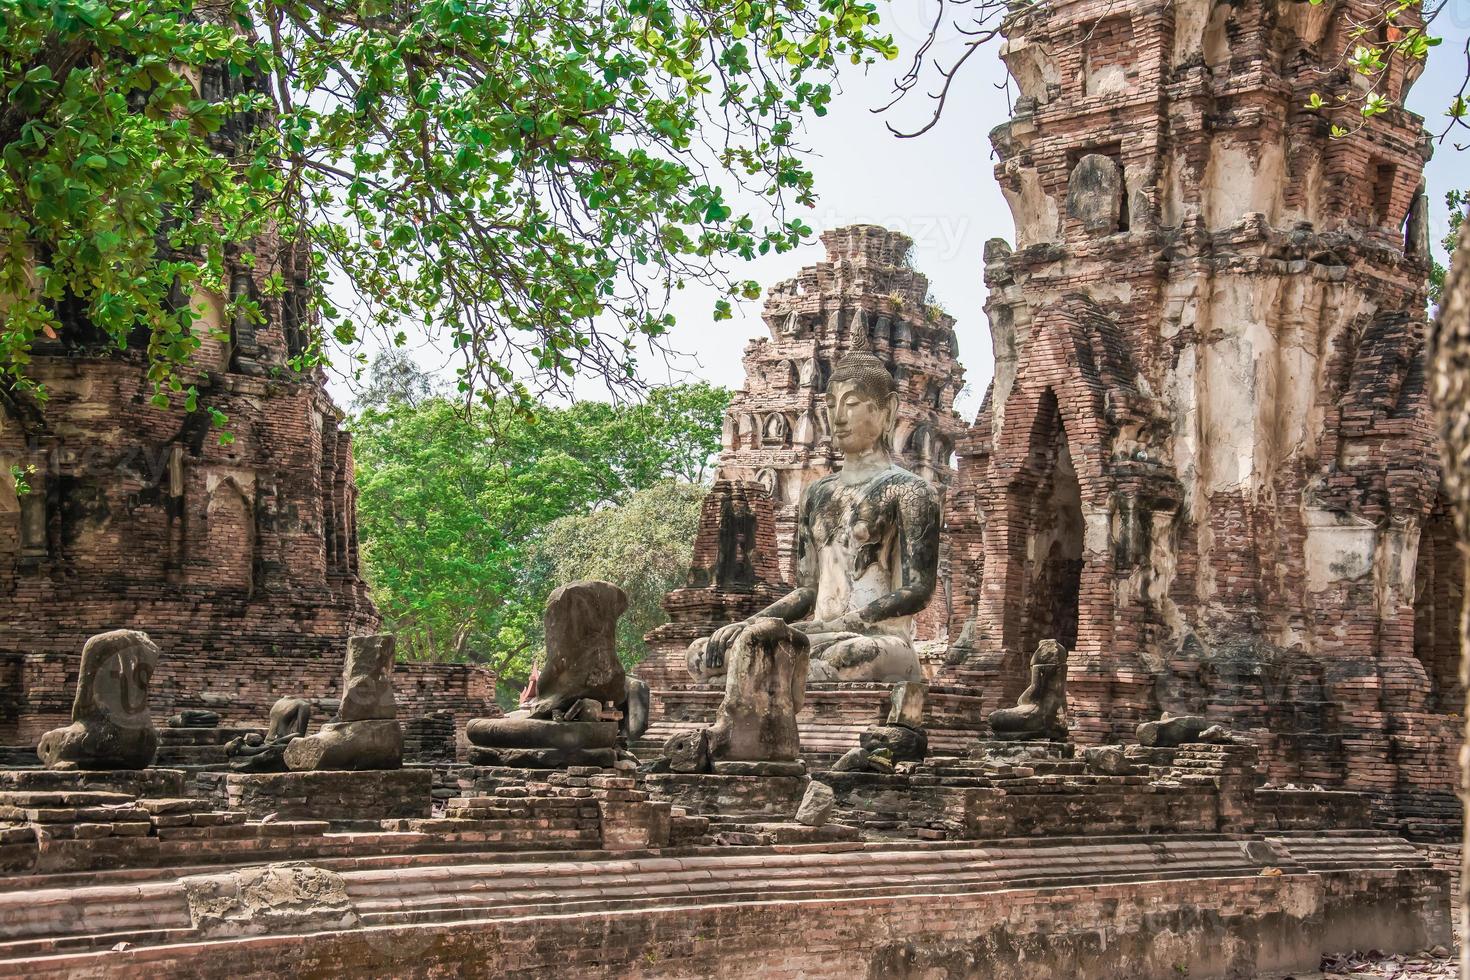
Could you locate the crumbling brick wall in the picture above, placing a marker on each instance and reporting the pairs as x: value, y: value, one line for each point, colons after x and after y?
x: 1208, y: 431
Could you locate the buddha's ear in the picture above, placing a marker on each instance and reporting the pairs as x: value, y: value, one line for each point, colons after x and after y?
x: 891, y: 408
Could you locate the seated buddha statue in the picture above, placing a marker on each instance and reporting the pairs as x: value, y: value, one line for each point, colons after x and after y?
x: 867, y: 545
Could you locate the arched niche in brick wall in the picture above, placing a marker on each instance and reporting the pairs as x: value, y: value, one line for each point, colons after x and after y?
x: 1054, y: 533
x: 224, y: 554
x: 747, y: 431
x: 776, y: 430
x: 1048, y: 483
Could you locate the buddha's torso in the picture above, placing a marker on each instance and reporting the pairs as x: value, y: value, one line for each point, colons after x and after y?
x: 853, y: 530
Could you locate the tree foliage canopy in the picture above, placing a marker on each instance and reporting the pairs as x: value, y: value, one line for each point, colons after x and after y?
x: 455, y: 509
x: 527, y: 180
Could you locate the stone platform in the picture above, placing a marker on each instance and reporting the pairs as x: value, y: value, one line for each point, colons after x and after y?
x: 1026, y: 909
x: 332, y: 796
x: 1182, y: 865
x: 134, y: 782
x: 729, y: 795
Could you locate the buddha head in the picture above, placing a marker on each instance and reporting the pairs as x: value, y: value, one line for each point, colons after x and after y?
x: 862, y: 400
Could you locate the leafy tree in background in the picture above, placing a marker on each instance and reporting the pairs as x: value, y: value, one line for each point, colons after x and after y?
x: 1456, y: 202
x: 454, y: 506
x: 643, y: 546
x: 395, y: 377
x: 526, y: 180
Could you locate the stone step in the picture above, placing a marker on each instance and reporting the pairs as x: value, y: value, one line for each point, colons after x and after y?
x: 49, y: 945
x: 425, y: 887
x: 835, y: 869
x: 808, y: 886
x: 98, y: 909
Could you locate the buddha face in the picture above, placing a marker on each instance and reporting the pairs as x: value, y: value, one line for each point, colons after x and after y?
x: 859, y: 421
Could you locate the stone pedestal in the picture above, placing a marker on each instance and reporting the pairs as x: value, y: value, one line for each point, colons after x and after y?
x: 776, y: 797
x: 537, y: 743
x: 1020, y: 750
x: 151, y: 783
x: 337, y: 796
x: 340, y: 745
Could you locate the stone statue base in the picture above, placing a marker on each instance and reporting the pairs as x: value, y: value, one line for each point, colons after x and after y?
x: 98, y: 745
x: 541, y: 743
x: 1020, y: 751
x: 348, y: 745
x: 150, y: 783
x: 1054, y: 735
x: 542, y: 758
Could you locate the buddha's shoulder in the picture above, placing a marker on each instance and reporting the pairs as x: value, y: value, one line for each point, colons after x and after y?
x: 906, y: 486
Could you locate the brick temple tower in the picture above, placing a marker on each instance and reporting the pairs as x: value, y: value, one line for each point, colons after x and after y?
x: 1206, y: 461
x: 776, y: 430
x: 239, y: 560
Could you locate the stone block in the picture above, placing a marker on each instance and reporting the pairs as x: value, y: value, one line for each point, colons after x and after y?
x: 816, y: 804
x: 904, y: 744
x: 133, y: 783
x: 277, y: 898
x: 542, y: 758
x: 633, y: 824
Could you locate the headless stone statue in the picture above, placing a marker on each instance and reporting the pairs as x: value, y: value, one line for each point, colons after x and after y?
x: 1041, y: 711
x: 290, y: 719
x: 756, y: 721
x: 562, y: 725
x: 365, y: 734
x: 764, y: 690
x: 110, y: 727
x: 581, y: 623
x: 867, y: 545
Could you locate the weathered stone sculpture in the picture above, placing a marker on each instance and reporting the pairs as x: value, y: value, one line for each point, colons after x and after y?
x: 1171, y: 731
x: 290, y: 719
x: 110, y: 727
x: 1041, y: 711
x: 562, y: 726
x: 903, y: 734
x: 756, y: 721
x: 867, y: 552
x: 365, y: 734
x: 764, y: 690
x: 581, y: 622
x: 194, y: 718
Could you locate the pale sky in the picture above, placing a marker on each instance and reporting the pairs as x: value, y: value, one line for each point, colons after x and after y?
x: 940, y: 189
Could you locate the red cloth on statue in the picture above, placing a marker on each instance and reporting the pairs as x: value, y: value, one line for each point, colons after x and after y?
x: 529, y: 694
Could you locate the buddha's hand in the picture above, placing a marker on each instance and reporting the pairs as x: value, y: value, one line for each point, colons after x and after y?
x: 720, y: 642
